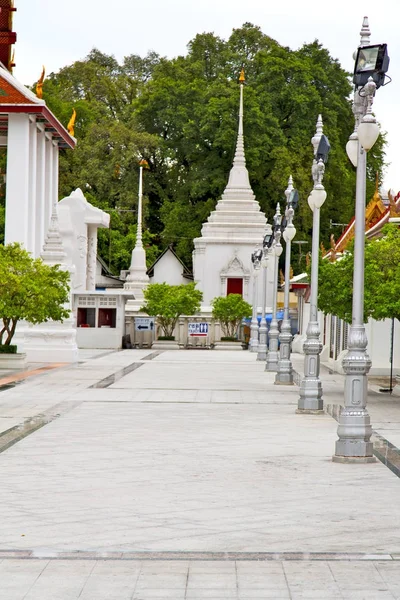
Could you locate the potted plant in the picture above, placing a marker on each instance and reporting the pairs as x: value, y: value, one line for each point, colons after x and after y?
x: 168, y: 303
x: 230, y: 311
x: 30, y: 291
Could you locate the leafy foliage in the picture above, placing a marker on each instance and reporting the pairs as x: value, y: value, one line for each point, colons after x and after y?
x: 230, y: 311
x: 29, y: 290
x: 169, y: 302
x: 382, y: 279
x: 180, y: 114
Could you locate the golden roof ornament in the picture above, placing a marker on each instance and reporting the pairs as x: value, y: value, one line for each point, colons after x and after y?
x: 71, y: 124
x: 242, y: 78
x: 143, y: 163
x: 39, y: 85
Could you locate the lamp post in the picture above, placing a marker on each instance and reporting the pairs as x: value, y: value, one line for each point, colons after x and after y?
x: 310, y: 400
x: 354, y: 430
x: 272, y: 356
x: 284, y: 374
x: 256, y: 260
x: 262, y: 346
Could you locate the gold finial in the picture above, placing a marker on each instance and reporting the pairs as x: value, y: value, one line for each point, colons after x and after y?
x: 71, y: 124
x: 11, y: 64
x: 143, y: 163
x: 39, y: 85
x: 242, y: 78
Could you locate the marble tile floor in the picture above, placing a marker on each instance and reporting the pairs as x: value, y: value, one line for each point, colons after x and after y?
x: 193, y: 452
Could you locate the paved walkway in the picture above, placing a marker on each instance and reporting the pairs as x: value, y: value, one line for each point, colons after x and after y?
x: 141, y: 475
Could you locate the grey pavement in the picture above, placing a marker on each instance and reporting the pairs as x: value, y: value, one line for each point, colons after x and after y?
x: 187, y: 474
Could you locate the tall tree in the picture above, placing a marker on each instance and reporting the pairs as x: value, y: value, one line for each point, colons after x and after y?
x: 181, y: 115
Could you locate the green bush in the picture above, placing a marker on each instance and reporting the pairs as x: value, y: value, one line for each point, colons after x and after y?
x: 10, y: 349
x: 230, y: 311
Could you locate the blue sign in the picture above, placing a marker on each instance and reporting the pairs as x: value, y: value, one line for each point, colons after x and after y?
x: 198, y: 329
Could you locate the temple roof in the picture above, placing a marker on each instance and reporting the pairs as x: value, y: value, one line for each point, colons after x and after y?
x: 16, y: 98
x: 7, y: 35
x: 377, y: 214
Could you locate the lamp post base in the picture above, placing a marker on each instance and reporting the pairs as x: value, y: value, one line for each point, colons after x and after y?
x: 284, y: 378
x: 353, y: 459
x: 308, y: 411
x: 272, y: 361
x: 310, y: 396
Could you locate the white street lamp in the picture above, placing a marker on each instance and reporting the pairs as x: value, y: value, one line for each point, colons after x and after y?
x: 285, y: 370
x: 272, y: 356
x: 354, y: 430
x: 262, y: 346
x: 256, y: 260
x: 310, y: 400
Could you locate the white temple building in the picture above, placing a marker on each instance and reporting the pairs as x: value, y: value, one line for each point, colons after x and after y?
x: 222, y: 255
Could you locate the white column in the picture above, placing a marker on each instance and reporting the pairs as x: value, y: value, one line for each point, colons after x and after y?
x: 40, y: 191
x: 55, y: 172
x: 17, y: 188
x: 48, y: 194
x: 32, y: 186
x: 91, y: 258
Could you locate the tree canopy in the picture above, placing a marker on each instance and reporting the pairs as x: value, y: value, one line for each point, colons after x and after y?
x: 181, y: 115
x: 29, y: 290
x: 382, y: 279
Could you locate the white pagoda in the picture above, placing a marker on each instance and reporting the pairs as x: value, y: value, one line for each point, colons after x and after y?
x: 222, y: 255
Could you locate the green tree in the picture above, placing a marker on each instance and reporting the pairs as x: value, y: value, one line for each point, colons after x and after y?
x: 230, y: 311
x: 382, y: 279
x: 29, y: 290
x: 169, y: 302
x: 181, y: 115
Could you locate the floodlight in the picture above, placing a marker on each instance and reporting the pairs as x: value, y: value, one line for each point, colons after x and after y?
x: 371, y: 61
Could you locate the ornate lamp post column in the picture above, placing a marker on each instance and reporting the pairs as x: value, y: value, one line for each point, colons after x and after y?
x: 262, y: 347
x: 272, y: 356
x: 354, y: 430
x: 256, y: 260
x: 310, y: 400
x: 285, y: 370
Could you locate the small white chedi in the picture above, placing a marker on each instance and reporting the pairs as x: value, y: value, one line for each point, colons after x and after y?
x: 222, y: 255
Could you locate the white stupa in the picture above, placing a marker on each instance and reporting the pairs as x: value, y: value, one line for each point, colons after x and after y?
x: 222, y: 255
x: 137, y: 279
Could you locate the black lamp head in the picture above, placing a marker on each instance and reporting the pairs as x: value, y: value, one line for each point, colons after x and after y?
x: 293, y: 199
x: 323, y: 149
x: 268, y: 239
x: 371, y: 61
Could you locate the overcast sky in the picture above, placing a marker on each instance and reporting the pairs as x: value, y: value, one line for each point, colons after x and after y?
x: 57, y: 32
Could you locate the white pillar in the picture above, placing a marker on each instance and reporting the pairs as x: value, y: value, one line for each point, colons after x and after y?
x: 17, y: 188
x: 32, y: 186
x: 40, y: 191
x: 55, y: 172
x: 48, y: 194
x: 91, y: 258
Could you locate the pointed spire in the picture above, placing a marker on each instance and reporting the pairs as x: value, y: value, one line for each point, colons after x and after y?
x: 315, y: 140
x: 139, y: 243
x: 239, y: 176
x: 365, y: 33
x: 137, y: 278
x: 53, y: 249
x: 289, y: 188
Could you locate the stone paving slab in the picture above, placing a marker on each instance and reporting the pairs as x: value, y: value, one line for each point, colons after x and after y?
x: 192, y: 452
x: 194, y: 580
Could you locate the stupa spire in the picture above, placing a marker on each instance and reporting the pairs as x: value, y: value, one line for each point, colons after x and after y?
x: 239, y: 176
x: 137, y: 279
